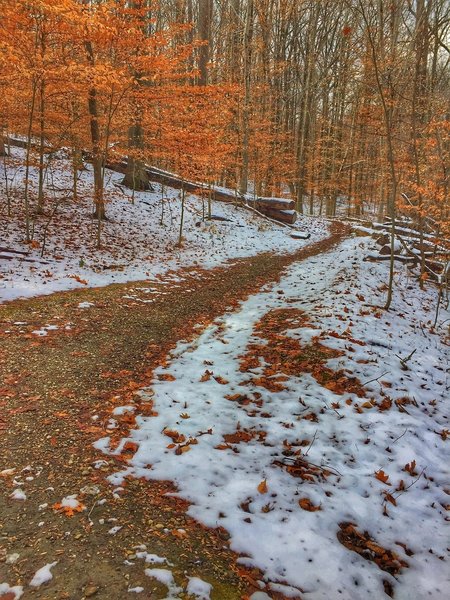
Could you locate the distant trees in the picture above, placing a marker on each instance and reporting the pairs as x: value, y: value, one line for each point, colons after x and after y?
x: 343, y: 105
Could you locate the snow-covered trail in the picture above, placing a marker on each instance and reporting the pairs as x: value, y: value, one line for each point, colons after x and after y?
x: 378, y: 460
x: 140, y: 239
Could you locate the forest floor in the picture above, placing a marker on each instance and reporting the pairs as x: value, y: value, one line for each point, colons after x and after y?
x: 65, y: 360
x: 262, y: 429
x: 140, y: 240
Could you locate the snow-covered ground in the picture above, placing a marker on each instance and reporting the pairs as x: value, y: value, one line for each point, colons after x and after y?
x: 294, y: 469
x: 139, y: 241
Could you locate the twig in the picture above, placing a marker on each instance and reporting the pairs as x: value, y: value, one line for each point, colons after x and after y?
x: 311, y: 444
x: 335, y: 410
x: 404, y: 361
x: 411, y: 484
x: 376, y: 378
x: 297, y: 462
x: 93, y: 506
x: 400, y: 436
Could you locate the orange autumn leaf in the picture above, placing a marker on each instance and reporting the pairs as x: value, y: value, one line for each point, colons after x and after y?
x: 78, y: 279
x: 306, y: 504
x: 166, y: 377
x: 8, y: 596
x: 367, y: 405
x: 179, y: 533
x: 390, y: 498
x: 410, y: 467
x: 130, y: 447
x: 178, y: 438
x: 206, y: 376
x: 262, y: 487
x: 381, y: 476
x: 222, y: 447
x: 69, y: 511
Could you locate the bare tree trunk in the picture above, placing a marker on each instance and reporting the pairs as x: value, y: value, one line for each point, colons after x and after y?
x: 97, y: 158
x: 136, y: 176
x: 40, y: 202
x: 205, y: 10
x: 303, y: 122
x: 27, y: 162
x: 248, y: 34
x: 418, y: 116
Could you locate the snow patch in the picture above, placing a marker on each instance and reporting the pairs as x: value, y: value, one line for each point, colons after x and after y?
x: 199, y: 588
x: 18, y: 494
x: 165, y: 577
x: 43, y: 575
x: 17, y: 590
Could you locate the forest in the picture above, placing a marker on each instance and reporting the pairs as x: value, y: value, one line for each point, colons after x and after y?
x: 342, y: 105
x: 224, y: 299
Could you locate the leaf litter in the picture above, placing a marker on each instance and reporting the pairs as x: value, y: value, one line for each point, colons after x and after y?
x: 63, y: 400
x: 314, y: 396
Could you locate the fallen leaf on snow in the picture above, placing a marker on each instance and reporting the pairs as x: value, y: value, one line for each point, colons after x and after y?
x: 381, y: 476
x: 306, y: 504
x: 262, y: 487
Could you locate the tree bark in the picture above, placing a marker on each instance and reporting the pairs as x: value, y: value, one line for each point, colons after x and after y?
x: 136, y: 176
x: 205, y: 10
x: 248, y: 35
x: 97, y: 158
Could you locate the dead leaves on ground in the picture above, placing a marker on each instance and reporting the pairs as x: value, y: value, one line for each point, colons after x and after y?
x: 68, y: 511
x: 78, y: 279
x: 381, y: 476
x: 180, y: 443
x: 283, y: 356
x: 365, y: 546
x: 262, y: 487
x: 218, y: 378
x: 301, y: 468
x: 411, y: 468
x: 306, y: 504
x: 444, y: 434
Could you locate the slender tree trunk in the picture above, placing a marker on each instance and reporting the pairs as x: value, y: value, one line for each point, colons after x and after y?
x: 97, y: 158
x: 27, y: 162
x: 248, y: 34
x: 136, y: 176
x: 205, y: 9
x: 40, y: 203
x: 180, y: 233
x: 303, y: 122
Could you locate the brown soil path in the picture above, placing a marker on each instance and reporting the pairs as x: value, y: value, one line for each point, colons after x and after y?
x: 52, y: 386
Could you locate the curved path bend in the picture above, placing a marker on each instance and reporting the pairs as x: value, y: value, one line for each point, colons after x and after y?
x: 57, y: 389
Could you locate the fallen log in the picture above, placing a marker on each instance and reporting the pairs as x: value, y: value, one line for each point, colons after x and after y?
x: 285, y: 216
x: 4, y: 256
x: 300, y: 235
x: 11, y: 251
x: 411, y: 233
x: 275, y: 203
x: 278, y: 209
x: 397, y: 257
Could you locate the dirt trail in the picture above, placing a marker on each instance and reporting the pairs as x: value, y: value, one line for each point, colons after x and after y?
x: 51, y: 387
